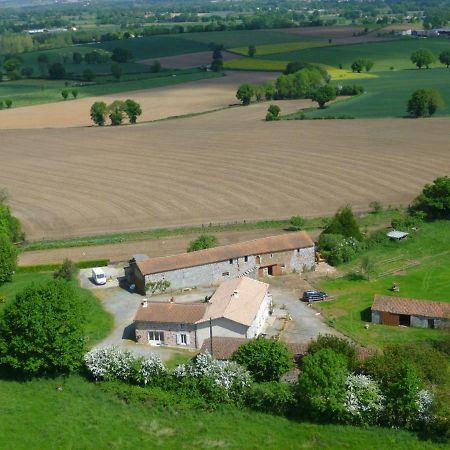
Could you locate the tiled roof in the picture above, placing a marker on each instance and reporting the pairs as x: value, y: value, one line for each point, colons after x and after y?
x: 223, y: 347
x: 271, y: 244
x: 410, y: 306
x: 238, y: 300
x: 170, y: 312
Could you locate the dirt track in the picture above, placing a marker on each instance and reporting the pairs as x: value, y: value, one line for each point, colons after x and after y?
x: 158, y: 103
x: 225, y: 166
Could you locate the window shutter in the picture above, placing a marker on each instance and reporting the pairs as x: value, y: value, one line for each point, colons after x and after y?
x: 178, y: 339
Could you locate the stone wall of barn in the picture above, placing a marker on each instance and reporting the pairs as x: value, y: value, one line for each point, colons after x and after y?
x: 377, y: 317
x: 172, y: 332
x: 423, y: 322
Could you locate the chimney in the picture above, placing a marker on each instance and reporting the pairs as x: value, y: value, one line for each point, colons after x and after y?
x: 144, y: 303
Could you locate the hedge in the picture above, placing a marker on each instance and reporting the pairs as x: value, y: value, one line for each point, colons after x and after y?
x: 53, y: 267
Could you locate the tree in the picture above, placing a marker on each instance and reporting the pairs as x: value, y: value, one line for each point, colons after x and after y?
x: 273, y: 113
x: 8, y: 103
x: 344, y: 224
x: 422, y: 57
x: 323, y: 95
x: 245, y: 93
x: 42, y: 330
x: 88, y: 75
x: 367, y: 266
x: 322, y: 385
x: 74, y: 93
x: 368, y: 64
x: 116, y: 111
x: 156, y: 67
x: 56, y: 71
x: 297, y: 223
x: 357, y: 66
x: 121, y: 55
x: 77, y: 58
x: 338, y: 345
x: 444, y: 58
x: 8, y: 258
x: 217, y: 59
x: 424, y: 102
x: 27, y: 71
x: 265, y: 359
x: 132, y: 110
x: 66, y: 271
x: 98, y: 113
x: 376, y: 207
x: 116, y: 71
x: 251, y: 51
x: 202, y: 242
x: 157, y: 286
x: 434, y: 200
x: 65, y: 94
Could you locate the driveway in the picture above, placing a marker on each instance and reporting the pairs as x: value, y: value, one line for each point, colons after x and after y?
x: 303, y: 322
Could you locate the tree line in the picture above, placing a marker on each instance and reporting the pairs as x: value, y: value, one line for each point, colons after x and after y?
x: 116, y: 112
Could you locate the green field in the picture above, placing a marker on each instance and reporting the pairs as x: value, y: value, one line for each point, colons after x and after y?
x: 99, y: 322
x: 429, y: 279
x: 82, y: 415
x: 387, y: 95
x: 384, y: 54
x: 32, y: 92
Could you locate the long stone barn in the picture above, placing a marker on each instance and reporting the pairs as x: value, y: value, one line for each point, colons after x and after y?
x: 274, y: 255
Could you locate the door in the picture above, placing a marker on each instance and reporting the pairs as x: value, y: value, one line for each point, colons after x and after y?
x: 156, y: 337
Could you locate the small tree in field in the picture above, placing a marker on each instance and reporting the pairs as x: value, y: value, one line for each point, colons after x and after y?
x: 202, y: 242
x: 42, y: 330
x: 376, y: 207
x: 444, y: 58
x: 66, y: 271
x: 132, y: 110
x: 116, y: 110
x: 8, y: 103
x: 8, y: 258
x: 98, y: 113
x: 273, y: 113
x: 434, y: 200
x: 157, y: 286
x: 424, y: 102
x: 323, y: 95
x: 251, y: 51
x: 74, y: 93
x: 265, y: 359
x: 297, y: 223
x: 358, y: 65
x: 422, y: 57
x: 344, y: 224
x: 116, y: 71
x: 65, y: 94
x: 245, y: 93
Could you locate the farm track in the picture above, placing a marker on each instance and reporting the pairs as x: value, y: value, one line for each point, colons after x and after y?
x: 224, y: 166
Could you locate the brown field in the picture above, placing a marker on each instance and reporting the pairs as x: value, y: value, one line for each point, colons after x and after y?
x: 224, y: 166
x: 189, y: 60
x: 158, y: 103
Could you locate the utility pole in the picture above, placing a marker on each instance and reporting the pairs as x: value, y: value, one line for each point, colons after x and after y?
x: 210, y: 338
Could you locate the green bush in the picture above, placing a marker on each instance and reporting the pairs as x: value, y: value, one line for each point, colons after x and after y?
x: 202, y: 242
x: 8, y: 258
x: 271, y: 397
x: 53, y: 267
x: 339, y: 345
x: 434, y: 200
x: 66, y: 271
x: 297, y: 223
x: 344, y: 223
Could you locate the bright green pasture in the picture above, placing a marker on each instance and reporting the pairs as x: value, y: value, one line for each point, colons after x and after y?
x: 388, y: 94
x: 32, y: 92
x: 384, y: 54
x: 72, y: 413
x: 99, y: 322
x: 428, y: 279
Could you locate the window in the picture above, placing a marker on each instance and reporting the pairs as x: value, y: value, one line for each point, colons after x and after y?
x: 245, y: 258
x: 226, y: 274
x: 231, y: 260
x: 156, y: 336
x: 183, y: 339
x: 182, y: 326
x: 271, y: 255
x: 298, y: 250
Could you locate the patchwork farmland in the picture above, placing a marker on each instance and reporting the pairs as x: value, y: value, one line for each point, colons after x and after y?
x: 194, y: 170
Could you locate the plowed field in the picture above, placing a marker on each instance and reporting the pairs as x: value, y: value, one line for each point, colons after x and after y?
x: 225, y: 166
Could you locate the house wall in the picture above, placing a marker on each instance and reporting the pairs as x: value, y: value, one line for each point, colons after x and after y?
x: 422, y: 322
x: 220, y: 328
x: 260, y: 318
x: 377, y: 317
x: 171, y: 330
x: 211, y: 274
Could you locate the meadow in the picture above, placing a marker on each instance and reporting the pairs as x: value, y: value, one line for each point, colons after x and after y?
x: 73, y: 413
x: 427, y: 254
x: 387, y: 95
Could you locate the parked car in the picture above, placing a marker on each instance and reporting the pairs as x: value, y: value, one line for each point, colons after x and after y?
x: 98, y: 276
x: 314, y: 296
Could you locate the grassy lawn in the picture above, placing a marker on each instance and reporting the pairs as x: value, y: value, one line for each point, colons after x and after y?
x: 428, y: 254
x: 36, y: 414
x: 387, y: 95
x: 384, y: 54
x: 99, y: 322
x: 33, y: 92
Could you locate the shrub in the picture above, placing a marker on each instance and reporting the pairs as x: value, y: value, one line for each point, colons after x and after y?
x: 405, y: 222
x: 271, y: 397
x: 434, y: 200
x: 202, y: 242
x: 345, y: 251
x: 376, y: 207
x: 350, y: 90
x: 338, y: 345
x: 148, y: 370
x: 132, y: 110
x: 273, y: 113
x: 98, y: 113
x: 344, y: 223
x: 110, y: 363
x: 265, y: 359
x: 66, y: 271
x: 364, y: 402
x: 8, y: 103
x: 8, y: 258
x: 322, y: 385
x: 297, y: 223
x: 65, y: 94
x: 245, y: 93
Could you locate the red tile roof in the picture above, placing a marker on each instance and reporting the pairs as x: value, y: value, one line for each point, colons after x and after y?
x: 410, y: 306
x: 170, y: 312
x: 223, y: 347
x: 271, y: 244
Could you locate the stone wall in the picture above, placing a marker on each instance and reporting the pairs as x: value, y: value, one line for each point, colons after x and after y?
x: 377, y: 317
x: 171, y: 332
x: 422, y: 322
x: 260, y: 319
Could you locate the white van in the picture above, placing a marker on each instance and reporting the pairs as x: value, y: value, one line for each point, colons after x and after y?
x: 98, y: 276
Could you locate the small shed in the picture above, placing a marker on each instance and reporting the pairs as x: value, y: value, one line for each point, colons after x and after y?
x: 397, y: 235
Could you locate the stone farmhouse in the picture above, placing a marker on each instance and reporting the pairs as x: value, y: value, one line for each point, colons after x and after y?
x: 274, y: 255
x: 410, y: 312
x: 238, y: 308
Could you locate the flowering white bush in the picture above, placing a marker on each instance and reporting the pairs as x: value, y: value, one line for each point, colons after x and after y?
x: 424, y: 401
x: 150, y: 368
x: 364, y: 401
x: 109, y: 363
x: 225, y: 374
